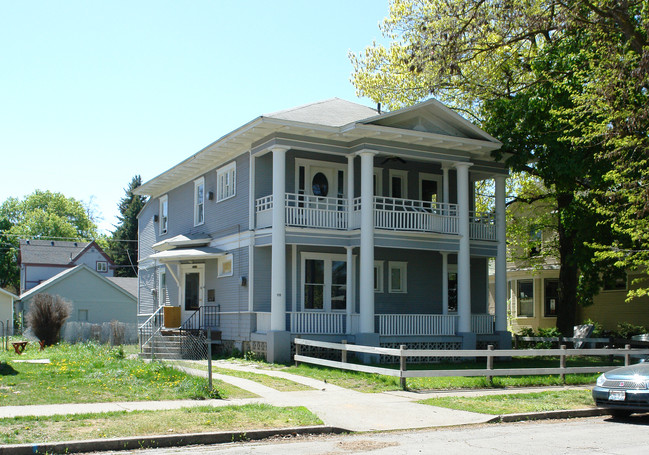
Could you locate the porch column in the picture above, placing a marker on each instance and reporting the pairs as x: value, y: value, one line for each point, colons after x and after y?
x: 350, y: 189
x: 367, y: 243
x: 349, y: 290
x: 444, y: 282
x: 278, y: 254
x: 463, y: 257
x: 501, y: 257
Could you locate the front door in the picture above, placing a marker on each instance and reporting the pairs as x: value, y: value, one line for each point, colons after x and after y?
x: 193, y: 288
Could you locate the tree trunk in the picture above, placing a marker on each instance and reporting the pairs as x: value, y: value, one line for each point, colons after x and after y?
x: 568, y: 273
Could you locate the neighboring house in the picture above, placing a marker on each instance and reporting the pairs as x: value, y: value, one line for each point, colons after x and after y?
x: 330, y: 221
x: 95, y: 298
x: 40, y: 260
x: 7, y: 300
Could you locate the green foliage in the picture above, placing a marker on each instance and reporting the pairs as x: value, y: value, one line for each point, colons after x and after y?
x: 9, y: 272
x: 123, y: 247
x: 598, y: 329
x: 626, y: 330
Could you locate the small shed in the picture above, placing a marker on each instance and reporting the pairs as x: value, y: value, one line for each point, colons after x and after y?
x: 7, y: 300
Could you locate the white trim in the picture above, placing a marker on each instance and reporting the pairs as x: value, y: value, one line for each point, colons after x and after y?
x: 433, y: 177
x: 228, y: 258
x: 403, y: 175
x: 184, y: 270
x: 378, y: 270
x: 163, y: 214
x: 226, y: 181
x: 199, y: 203
x: 308, y: 164
x: 403, y: 268
x: 518, y: 297
x: 103, y: 268
x: 327, y: 258
x: 162, y: 271
x: 378, y: 174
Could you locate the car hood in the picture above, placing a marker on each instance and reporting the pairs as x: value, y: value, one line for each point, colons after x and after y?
x: 640, y: 369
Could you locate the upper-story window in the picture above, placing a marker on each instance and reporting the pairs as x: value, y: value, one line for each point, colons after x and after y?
x: 398, y: 184
x: 199, y: 201
x: 102, y: 266
x: 164, y: 214
x: 225, y: 181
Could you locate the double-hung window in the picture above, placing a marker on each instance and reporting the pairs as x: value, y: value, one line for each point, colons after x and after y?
x: 324, y: 281
x: 164, y: 214
x: 398, y: 277
x: 226, y: 181
x: 199, y: 201
x: 102, y: 266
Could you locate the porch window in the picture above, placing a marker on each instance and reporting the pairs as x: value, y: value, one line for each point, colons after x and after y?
x: 225, y: 266
x: 398, y: 277
x: 398, y: 184
x: 314, y: 284
x: 162, y: 287
x: 378, y: 276
x: 551, y: 297
x: 526, y: 298
x: 430, y: 186
x: 324, y: 278
x: 164, y: 214
x: 199, y: 201
x: 452, y: 292
x: 226, y: 182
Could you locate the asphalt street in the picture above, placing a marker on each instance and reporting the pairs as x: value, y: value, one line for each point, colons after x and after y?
x: 592, y: 436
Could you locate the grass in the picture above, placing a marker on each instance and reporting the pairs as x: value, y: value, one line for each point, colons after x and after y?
x: 517, y: 403
x: 23, y: 430
x: 97, y: 373
x: 280, y: 384
x: 365, y: 382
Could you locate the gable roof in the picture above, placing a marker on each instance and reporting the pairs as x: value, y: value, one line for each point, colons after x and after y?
x: 42, y: 287
x: 349, y: 124
x: 55, y: 252
x: 5, y: 292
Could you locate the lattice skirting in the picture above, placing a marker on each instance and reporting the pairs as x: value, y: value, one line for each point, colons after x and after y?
x: 483, y: 344
x: 448, y: 345
x: 257, y: 347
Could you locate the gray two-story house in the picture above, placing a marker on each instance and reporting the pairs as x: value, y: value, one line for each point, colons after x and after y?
x: 331, y: 221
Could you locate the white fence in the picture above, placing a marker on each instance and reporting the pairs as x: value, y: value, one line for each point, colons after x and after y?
x: 489, y: 354
x: 482, y: 225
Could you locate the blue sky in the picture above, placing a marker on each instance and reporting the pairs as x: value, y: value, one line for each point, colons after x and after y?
x: 93, y: 93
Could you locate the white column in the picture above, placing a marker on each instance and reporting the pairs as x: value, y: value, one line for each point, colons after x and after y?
x: 501, y: 257
x: 444, y: 282
x: 349, y: 289
x: 350, y: 189
x: 278, y: 254
x: 463, y: 257
x: 367, y: 243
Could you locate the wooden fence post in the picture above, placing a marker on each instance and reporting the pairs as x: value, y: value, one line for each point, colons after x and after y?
x: 343, y: 352
x: 490, y: 362
x: 562, y: 364
x: 297, y: 350
x: 402, y: 366
x: 627, y: 356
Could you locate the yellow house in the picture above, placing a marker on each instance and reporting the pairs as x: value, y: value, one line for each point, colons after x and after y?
x: 7, y: 300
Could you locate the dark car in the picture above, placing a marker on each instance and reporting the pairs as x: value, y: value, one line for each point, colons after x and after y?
x: 624, y: 390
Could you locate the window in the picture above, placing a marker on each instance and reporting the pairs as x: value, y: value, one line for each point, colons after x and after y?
x: 324, y: 281
x: 398, y: 184
x: 162, y: 287
x: 225, y: 266
x: 452, y: 291
x: 199, y: 201
x: 398, y: 277
x: 102, y: 266
x: 83, y: 316
x: 551, y: 289
x: 430, y: 187
x: 378, y: 276
x: 225, y: 182
x: 526, y: 298
x: 164, y: 214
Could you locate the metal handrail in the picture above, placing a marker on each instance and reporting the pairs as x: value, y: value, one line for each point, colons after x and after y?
x: 149, y: 325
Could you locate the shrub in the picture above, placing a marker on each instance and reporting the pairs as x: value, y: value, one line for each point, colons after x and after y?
x: 598, y: 329
x: 626, y: 330
x: 47, y: 314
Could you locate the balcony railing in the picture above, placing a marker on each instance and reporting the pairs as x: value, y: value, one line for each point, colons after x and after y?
x: 389, y: 213
x: 417, y: 324
x: 320, y: 323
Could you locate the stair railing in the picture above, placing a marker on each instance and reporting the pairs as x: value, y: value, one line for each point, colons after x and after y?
x: 151, y: 327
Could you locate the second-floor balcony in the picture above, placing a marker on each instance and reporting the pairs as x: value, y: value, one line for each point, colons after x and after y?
x: 389, y: 213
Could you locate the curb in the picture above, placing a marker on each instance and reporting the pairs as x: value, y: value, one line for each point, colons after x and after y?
x: 150, y: 442
x: 550, y: 415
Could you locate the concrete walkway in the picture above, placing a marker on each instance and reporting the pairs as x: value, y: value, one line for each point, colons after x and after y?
x: 336, y: 406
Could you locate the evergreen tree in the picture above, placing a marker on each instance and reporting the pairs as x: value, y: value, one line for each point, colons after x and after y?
x: 123, y: 249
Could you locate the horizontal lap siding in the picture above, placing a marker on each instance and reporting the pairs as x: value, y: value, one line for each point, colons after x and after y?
x: 262, y: 276
x: 479, y: 279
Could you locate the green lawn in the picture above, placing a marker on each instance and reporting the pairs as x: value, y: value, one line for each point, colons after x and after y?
x: 365, y: 382
x: 22, y: 430
x: 96, y: 373
x: 554, y: 400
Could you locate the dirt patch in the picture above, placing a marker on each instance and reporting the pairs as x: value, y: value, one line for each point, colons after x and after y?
x: 363, y: 445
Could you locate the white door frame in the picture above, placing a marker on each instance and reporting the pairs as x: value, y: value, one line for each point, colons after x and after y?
x: 184, y: 270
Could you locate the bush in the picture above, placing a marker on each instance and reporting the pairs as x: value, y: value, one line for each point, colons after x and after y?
x: 47, y: 314
x: 598, y: 329
x: 626, y: 330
